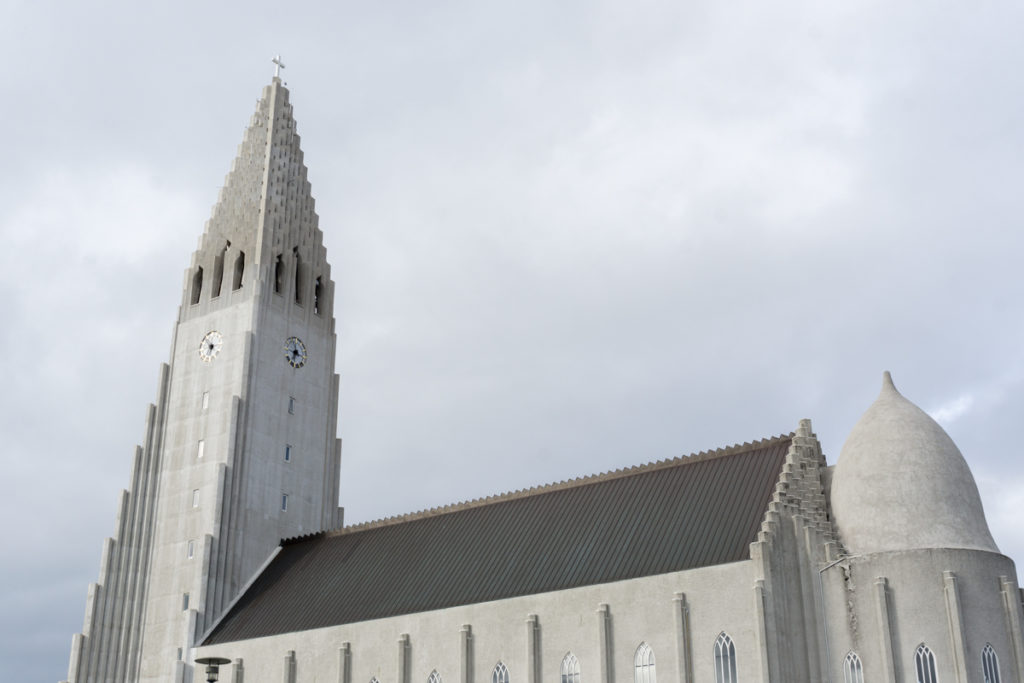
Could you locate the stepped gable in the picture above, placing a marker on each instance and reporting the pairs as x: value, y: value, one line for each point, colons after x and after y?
x: 677, y: 514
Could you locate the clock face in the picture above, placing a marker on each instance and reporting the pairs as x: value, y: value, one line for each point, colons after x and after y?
x: 210, y: 346
x: 295, y: 352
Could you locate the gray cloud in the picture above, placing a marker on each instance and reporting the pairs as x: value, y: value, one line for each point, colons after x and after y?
x: 566, y: 237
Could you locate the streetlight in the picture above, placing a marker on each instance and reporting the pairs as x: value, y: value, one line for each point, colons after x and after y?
x: 213, y: 666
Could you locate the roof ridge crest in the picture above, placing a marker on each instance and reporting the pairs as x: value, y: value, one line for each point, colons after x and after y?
x: 582, y: 480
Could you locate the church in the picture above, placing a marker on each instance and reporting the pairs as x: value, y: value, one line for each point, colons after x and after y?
x: 753, y: 563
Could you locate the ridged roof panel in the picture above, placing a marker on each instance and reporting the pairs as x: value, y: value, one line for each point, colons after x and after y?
x: 679, y: 514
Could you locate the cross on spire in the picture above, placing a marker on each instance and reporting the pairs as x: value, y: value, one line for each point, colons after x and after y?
x: 278, y: 65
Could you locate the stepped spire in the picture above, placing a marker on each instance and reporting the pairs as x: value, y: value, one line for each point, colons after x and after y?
x: 263, y: 224
x: 249, y: 383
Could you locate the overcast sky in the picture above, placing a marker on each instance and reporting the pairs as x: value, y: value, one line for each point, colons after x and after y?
x: 567, y: 237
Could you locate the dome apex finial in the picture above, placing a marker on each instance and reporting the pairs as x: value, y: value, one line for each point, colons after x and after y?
x: 887, y: 383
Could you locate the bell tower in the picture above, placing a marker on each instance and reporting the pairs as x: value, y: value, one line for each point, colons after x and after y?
x: 240, y: 448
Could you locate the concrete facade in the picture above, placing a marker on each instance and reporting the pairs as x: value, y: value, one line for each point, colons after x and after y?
x: 880, y: 568
x: 240, y: 448
x: 601, y: 625
x: 803, y: 608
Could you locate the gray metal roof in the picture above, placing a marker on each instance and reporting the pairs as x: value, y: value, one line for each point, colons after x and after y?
x: 678, y: 514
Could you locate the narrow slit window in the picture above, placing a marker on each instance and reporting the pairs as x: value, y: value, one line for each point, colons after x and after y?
x: 317, y: 294
x: 643, y: 665
x: 278, y: 275
x: 291, y: 405
x: 924, y: 662
x: 287, y: 452
x: 201, y: 448
x: 284, y: 502
x: 191, y: 549
x: 236, y: 279
x: 197, y: 285
x: 300, y: 276
x: 725, y: 659
x: 218, y: 273
x: 206, y: 400
x: 195, y: 498
x: 184, y: 602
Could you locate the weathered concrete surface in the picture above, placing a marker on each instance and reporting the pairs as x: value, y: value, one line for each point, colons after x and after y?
x: 901, y: 483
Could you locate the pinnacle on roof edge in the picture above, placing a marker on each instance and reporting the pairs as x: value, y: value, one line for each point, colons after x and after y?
x: 554, y: 486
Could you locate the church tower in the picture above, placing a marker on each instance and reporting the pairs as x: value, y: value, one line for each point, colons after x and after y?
x: 240, y: 449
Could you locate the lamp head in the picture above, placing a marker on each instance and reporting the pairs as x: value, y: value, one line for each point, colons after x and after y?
x: 212, y: 666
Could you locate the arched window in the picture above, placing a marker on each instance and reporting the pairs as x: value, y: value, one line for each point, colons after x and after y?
x: 853, y: 672
x: 236, y: 281
x: 924, y: 662
x: 570, y: 669
x: 500, y: 674
x: 990, y: 664
x: 374, y: 680
x: 197, y: 284
x: 643, y: 664
x: 725, y: 659
x: 434, y: 677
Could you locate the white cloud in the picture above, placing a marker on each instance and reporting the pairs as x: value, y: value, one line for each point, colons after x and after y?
x: 953, y: 410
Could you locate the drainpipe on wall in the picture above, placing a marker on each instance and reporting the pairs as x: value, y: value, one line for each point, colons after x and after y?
x: 824, y: 622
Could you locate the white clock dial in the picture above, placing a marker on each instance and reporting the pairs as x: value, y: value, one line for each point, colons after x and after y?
x: 295, y: 352
x: 210, y: 346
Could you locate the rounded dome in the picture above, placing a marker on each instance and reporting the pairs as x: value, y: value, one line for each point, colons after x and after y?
x: 901, y: 483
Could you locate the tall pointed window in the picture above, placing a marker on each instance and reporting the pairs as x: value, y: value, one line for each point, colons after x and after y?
x: 570, y: 669
x: 853, y: 672
x: 500, y: 674
x: 434, y: 677
x: 990, y: 664
x: 236, y: 279
x: 218, y: 272
x: 278, y: 275
x: 924, y: 662
x: 317, y: 294
x: 300, y: 276
x: 643, y: 664
x: 197, y: 284
x: 725, y: 659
